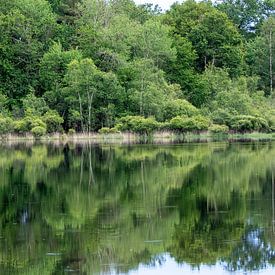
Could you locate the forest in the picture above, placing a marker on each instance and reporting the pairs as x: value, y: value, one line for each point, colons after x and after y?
x: 72, y: 66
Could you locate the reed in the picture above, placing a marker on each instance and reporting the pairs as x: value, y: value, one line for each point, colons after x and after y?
x: 158, y: 137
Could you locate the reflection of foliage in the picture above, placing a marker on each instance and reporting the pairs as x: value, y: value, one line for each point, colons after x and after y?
x: 251, y: 253
x: 208, y: 236
x: 103, y: 207
x: 212, y: 204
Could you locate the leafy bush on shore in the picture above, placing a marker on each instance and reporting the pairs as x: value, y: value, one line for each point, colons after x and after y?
x: 188, y: 124
x: 38, y: 131
x: 6, y: 125
x: 53, y: 121
x: 137, y: 124
x: 218, y: 129
x: 244, y: 123
x: 106, y: 130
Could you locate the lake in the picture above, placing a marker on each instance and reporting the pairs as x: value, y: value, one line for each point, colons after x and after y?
x: 205, y: 208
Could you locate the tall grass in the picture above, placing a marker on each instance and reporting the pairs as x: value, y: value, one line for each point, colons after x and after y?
x: 160, y: 137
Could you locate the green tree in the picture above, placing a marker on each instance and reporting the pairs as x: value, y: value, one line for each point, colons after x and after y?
x: 53, y: 67
x: 145, y: 87
x: 90, y: 89
x: 153, y: 42
x: 260, y: 56
x: 26, y: 30
x: 248, y: 15
x: 213, y: 36
x: 181, y: 70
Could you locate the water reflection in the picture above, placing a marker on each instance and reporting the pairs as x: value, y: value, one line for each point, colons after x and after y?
x: 118, y: 209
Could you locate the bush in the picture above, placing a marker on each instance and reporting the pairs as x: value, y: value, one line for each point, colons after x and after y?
x: 244, y: 123
x: 53, y: 121
x: 104, y: 130
x: 185, y: 124
x: 218, y: 129
x: 36, y: 122
x: 114, y: 130
x: 178, y: 107
x: 164, y: 126
x: 6, y: 125
x: 22, y: 126
x: 221, y: 117
x: 38, y: 131
x: 137, y: 124
x: 71, y: 132
x: 74, y: 120
x: 27, y: 124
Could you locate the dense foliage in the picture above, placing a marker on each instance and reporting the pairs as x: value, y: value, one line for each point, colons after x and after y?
x: 83, y: 65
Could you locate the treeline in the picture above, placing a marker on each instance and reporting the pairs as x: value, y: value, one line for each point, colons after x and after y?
x: 89, y: 65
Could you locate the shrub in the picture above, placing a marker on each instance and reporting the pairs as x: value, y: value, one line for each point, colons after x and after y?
x: 104, y: 130
x: 163, y: 126
x: 201, y: 123
x: 179, y: 123
x: 218, y: 129
x: 244, y: 123
x: 74, y: 120
x: 185, y: 124
x: 6, y: 125
x: 53, y: 121
x: 22, y: 126
x: 178, y: 107
x: 38, y: 131
x: 221, y: 117
x: 27, y: 124
x: 71, y: 131
x: 113, y: 130
x: 36, y: 122
x: 137, y: 124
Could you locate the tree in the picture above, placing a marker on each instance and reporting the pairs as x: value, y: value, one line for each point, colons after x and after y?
x: 91, y: 89
x: 145, y: 87
x: 268, y: 30
x: 116, y: 44
x: 154, y: 42
x: 259, y: 56
x: 80, y: 79
x: 247, y: 15
x: 26, y: 30
x: 213, y: 35
x: 53, y: 65
x: 181, y: 70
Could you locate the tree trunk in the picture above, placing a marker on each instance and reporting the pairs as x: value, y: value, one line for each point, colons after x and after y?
x: 141, y: 111
x: 89, y: 112
x: 81, y: 113
x: 270, y: 62
x: 90, y: 102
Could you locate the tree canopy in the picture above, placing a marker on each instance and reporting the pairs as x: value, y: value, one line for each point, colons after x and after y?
x: 94, y: 62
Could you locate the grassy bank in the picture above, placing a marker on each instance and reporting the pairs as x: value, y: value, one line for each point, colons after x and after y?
x: 128, y: 137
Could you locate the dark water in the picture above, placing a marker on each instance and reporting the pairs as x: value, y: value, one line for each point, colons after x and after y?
x: 141, y: 209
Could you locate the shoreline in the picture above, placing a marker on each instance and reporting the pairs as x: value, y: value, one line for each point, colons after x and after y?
x: 134, y: 138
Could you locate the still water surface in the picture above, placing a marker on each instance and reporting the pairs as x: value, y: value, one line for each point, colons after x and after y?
x: 139, y: 209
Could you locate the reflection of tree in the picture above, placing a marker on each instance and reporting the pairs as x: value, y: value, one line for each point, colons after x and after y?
x: 251, y: 253
x: 101, y: 206
x: 203, y: 235
x: 213, y: 203
x: 125, y: 201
